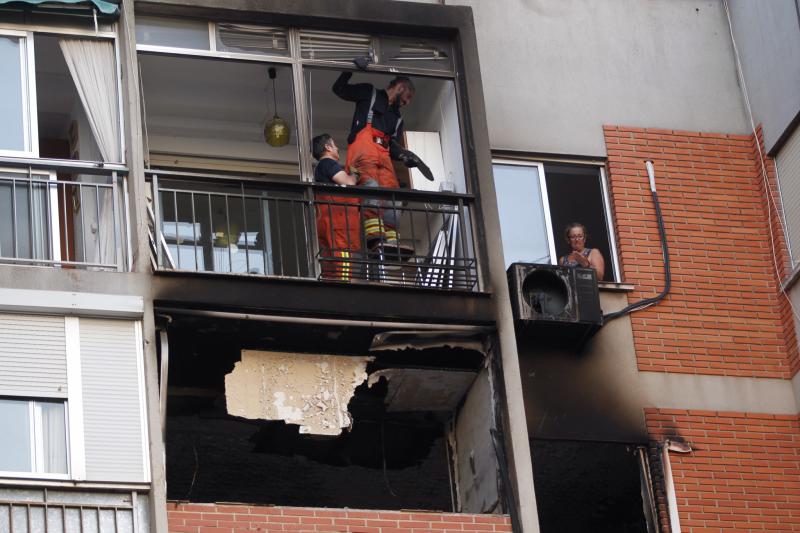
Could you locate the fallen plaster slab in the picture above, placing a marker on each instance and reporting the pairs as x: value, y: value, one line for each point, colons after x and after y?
x: 311, y: 391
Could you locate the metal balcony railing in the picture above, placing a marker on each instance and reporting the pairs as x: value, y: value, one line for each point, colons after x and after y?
x: 267, y: 227
x: 63, y: 213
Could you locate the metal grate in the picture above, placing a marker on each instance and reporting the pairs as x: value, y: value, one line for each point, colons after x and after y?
x: 25, y: 516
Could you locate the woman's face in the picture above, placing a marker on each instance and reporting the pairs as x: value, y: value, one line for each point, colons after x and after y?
x: 577, y: 238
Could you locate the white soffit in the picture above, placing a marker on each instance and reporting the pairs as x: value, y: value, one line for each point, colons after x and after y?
x: 71, y: 303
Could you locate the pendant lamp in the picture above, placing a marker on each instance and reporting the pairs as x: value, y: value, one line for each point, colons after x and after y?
x: 276, y: 130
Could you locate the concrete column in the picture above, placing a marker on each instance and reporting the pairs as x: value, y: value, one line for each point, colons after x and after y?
x: 140, y: 250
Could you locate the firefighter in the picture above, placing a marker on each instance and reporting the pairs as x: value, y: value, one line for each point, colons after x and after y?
x: 338, y: 229
x: 374, y: 140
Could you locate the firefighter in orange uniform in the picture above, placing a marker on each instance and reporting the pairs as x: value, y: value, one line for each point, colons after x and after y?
x: 338, y: 224
x: 374, y: 140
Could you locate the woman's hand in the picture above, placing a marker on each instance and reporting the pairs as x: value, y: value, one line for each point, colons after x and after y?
x: 579, y: 258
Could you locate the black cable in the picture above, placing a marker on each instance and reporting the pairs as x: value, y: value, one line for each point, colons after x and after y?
x: 667, y: 280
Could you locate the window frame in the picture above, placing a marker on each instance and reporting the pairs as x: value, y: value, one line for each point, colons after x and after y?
x: 540, y: 163
x: 29, y: 33
x: 30, y: 126
x: 37, y: 441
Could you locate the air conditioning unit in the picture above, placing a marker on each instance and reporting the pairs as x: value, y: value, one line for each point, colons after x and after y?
x: 554, y: 302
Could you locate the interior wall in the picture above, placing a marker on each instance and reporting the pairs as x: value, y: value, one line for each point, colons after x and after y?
x: 475, y: 459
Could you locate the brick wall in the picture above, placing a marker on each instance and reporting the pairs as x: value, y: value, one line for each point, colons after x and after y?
x: 743, y: 473
x: 725, y: 314
x: 212, y: 518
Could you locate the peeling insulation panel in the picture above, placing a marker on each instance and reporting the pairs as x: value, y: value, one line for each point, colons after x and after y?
x: 311, y: 391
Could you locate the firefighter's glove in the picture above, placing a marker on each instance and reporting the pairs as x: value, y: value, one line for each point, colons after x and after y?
x: 362, y: 62
x: 412, y: 160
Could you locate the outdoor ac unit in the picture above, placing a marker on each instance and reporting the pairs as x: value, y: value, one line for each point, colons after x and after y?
x: 556, y: 302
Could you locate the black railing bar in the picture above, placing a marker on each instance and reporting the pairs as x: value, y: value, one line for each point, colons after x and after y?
x: 246, y: 245
x: 267, y: 183
x: 225, y: 194
x: 278, y: 233
x: 402, y: 194
x: 212, y: 235
x: 310, y: 239
x: 56, y: 262
x: 56, y: 181
x: 210, y: 176
x: 228, y: 236
x: 177, y: 228
x: 396, y: 226
x: 263, y: 222
x: 84, y: 167
x: 194, y: 231
x: 295, y: 236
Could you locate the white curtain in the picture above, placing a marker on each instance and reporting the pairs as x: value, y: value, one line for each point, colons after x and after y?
x: 54, y: 437
x: 92, y: 66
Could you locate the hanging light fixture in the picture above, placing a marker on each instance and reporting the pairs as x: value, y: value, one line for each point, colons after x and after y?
x: 276, y: 130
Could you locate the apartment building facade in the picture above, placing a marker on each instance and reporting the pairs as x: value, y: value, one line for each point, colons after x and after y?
x: 176, y: 356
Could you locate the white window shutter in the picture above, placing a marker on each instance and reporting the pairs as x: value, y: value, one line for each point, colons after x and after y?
x: 788, y: 163
x: 112, y: 401
x: 33, y: 360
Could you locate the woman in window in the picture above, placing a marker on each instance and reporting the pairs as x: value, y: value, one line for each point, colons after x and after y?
x: 581, y: 256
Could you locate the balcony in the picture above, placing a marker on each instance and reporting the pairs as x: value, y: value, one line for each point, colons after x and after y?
x: 64, y: 214
x: 254, y: 226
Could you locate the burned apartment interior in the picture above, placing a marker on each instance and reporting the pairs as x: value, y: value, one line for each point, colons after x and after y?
x: 406, y: 425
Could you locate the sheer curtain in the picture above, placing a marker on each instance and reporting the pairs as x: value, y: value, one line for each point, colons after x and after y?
x: 91, y: 64
x: 54, y: 437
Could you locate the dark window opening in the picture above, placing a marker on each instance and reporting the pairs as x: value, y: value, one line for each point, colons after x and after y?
x: 588, y: 486
x: 389, y: 459
x: 536, y: 203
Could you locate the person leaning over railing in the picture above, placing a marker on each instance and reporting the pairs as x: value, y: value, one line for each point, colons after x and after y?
x: 581, y: 256
x: 338, y: 225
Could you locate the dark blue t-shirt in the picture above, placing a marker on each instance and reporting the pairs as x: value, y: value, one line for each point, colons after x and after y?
x: 326, y: 169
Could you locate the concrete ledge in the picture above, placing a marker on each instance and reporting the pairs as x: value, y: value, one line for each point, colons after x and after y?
x: 719, y: 393
x: 71, y: 303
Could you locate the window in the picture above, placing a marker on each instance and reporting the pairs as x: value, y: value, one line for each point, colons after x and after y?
x: 537, y: 201
x: 15, y: 135
x: 35, y: 437
x: 59, y: 96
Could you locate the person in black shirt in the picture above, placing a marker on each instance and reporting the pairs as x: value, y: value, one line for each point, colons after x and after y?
x: 338, y: 228
x: 375, y: 134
